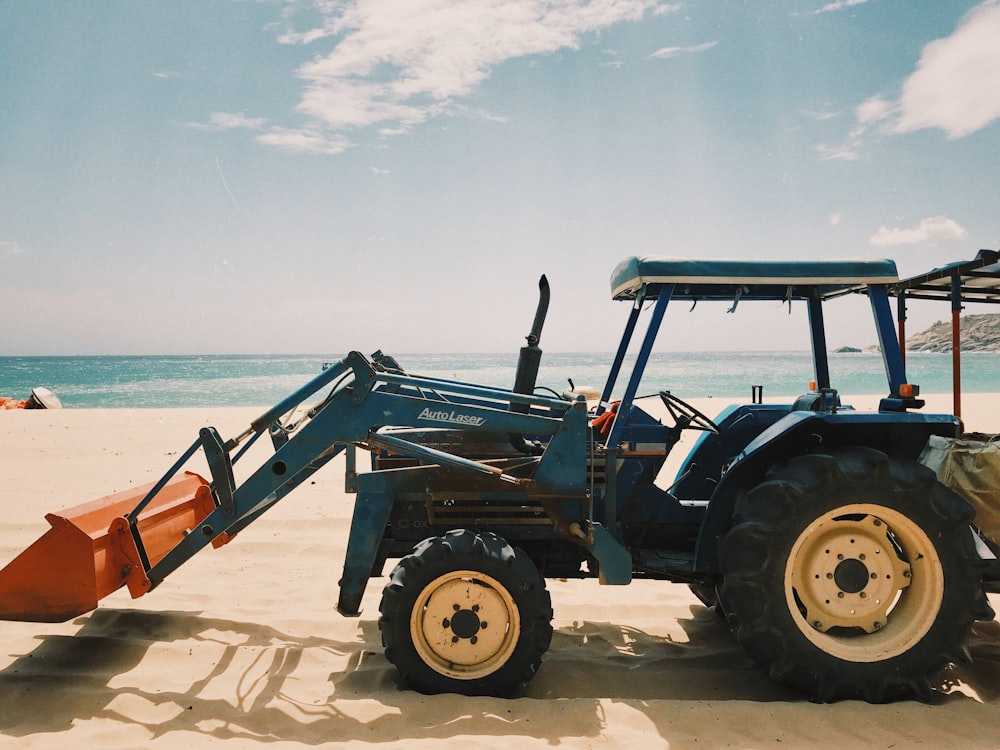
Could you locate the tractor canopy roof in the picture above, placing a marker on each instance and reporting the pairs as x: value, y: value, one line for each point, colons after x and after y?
x: 746, y: 279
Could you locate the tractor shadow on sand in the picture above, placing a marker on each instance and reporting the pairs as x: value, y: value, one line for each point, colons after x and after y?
x: 179, y: 671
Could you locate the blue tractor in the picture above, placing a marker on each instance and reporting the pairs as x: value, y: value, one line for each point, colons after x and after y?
x: 842, y: 565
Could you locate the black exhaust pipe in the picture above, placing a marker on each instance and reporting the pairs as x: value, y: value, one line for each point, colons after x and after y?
x: 528, y: 362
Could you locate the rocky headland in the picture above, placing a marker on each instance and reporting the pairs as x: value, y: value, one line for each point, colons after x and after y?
x: 978, y: 333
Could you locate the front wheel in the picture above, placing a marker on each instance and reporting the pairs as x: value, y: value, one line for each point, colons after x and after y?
x: 852, y: 575
x: 465, y: 613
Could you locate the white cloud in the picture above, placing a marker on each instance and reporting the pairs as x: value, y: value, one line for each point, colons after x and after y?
x: 229, y: 121
x: 477, y: 114
x: 820, y: 115
x: 613, y: 58
x: 873, y: 109
x: 667, y: 8
x: 667, y: 53
x: 305, y: 141
x: 9, y: 249
x: 396, y: 64
x: 933, y: 229
x: 843, y: 152
x: 840, y: 5
x: 955, y: 87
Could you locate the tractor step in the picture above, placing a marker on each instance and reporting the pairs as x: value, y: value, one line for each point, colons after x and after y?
x: 656, y: 560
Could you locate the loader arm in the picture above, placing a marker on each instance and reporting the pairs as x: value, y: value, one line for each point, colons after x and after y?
x: 353, y: 415
x: 131, y: 541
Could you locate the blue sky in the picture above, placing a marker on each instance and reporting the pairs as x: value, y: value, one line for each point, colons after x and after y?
x: 216, y: 176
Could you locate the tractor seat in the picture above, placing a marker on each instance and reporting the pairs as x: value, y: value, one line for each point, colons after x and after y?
x: 814, y: 401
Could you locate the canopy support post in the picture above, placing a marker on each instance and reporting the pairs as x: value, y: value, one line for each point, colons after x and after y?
x: 901, y: 325
x: 956, y: 344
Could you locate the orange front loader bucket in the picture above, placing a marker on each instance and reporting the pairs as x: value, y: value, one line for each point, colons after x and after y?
x: 89, y: 552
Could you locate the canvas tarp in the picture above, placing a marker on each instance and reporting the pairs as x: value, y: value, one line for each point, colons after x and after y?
x: 971, y: 468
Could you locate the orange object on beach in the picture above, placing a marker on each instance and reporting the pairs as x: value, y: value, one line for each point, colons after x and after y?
x: 40, y: 398
x: 89, y: 552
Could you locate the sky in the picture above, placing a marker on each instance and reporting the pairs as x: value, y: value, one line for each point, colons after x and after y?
x: 317, y: 176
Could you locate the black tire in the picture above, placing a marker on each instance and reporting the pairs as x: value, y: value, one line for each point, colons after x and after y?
x: 465, y: 613
x: 852, y: 575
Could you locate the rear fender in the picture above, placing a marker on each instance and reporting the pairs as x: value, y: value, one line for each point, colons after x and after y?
x: 797, y: 433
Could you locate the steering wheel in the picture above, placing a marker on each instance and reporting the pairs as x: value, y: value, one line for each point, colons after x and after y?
x: 686, y: 416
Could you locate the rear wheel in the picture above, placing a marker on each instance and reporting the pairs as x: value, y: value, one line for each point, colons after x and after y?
x: 465, y: 613
x: 852, y: 574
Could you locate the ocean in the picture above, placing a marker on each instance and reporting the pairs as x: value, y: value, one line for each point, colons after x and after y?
x: 255, y: 380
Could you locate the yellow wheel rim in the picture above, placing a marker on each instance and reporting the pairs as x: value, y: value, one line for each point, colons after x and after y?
x: 864, y: 583
x: 465, y: 625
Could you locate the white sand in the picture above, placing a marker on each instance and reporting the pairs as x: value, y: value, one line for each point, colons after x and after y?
x: 243, y: 643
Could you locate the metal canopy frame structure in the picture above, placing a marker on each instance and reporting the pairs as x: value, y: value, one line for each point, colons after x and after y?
x: 976, y: 280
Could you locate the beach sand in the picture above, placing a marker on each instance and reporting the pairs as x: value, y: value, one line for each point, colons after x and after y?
x: 243, y: 643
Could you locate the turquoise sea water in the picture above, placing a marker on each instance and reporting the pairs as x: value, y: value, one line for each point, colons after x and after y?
x: 253, y: 380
